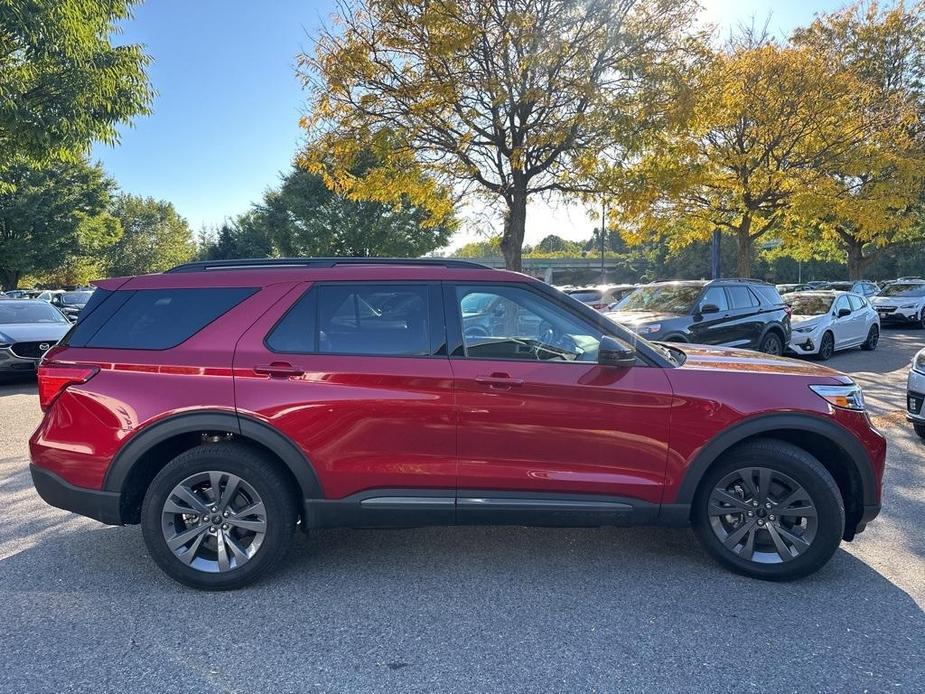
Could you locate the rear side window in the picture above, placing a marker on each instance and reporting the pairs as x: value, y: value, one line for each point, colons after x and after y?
x: 768, y: 294
x: 741, y: 297
x: 368, y: 319
x: 162, y: 318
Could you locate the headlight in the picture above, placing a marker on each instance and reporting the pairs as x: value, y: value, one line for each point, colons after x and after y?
x: 908, y: 306
x: 805, y: 329
x: 648, y: 329
x: 847, y: 397
x: 918, y: 363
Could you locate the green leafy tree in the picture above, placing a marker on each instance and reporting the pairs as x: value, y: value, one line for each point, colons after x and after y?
x: 62, y: 82
x: 154, y: 238
x: 304, y: 217
x: 51, y: 217
x: 246, y: 236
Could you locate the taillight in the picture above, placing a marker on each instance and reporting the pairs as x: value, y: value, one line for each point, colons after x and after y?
x: 54, y: 378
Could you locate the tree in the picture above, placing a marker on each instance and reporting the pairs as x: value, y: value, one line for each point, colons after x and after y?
x: 506, y: 98
x: 246, y: 236
x: 870, y: 199
x: 154, y: 238
x: 62, y: 83
x: 52, y: 216
x: 304, y: 217
x: 766, y: 121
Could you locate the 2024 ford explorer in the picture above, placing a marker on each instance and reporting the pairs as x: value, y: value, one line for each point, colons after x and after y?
x: 223, y: 404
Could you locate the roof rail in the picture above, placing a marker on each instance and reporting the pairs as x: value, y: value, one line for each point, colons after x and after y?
x: 738, y: 279
x: 264, y: 263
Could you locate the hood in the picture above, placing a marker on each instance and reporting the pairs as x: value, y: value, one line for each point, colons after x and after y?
x: 896, y: 300
x: 742, y: 360
x: 632, y: 318
x: 806, y: 321
x: 33, y: 332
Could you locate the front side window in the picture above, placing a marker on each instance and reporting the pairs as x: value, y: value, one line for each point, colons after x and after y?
x: 515, y: 323
x: 715, y: 296
x: 857, y: 302
x: 368, y: 319
x: 841, y: 303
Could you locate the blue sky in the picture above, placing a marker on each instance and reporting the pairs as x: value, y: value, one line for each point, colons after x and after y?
x: 225, y: 121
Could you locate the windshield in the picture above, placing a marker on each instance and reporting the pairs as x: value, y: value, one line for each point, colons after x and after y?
x: 11, y: 312
x: 663, y: 298
x: 476, y: 303
x: 840, y: 286
x: 903, y: 290
x: 585, y: 295
x: 75, y: 298
x: 808, y: 304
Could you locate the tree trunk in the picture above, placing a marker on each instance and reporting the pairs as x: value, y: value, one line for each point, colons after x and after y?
x: 857, y: 261
x: 744, y: 244
x: 515, y: 225
x: 9, y: 279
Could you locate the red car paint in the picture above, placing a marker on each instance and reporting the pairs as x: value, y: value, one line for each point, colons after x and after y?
x: 438, y: 422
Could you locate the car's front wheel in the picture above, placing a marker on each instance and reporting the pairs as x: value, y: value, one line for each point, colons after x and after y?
x: 218, y: 516
x: 770, y: 510
x: 826, y: 347
x: 920, y: 429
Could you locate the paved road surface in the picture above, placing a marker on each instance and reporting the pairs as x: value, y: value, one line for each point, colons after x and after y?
x: 82, y: 608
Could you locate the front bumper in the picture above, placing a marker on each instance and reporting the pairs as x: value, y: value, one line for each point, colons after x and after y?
x: 900, y: 315
x: 12, y: 364
x: 915, y: 397
x: 803, y: 343
x: 93, y: 503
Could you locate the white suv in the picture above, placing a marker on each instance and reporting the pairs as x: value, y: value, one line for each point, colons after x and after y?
x: 826, y: 321
x: 902, y: 302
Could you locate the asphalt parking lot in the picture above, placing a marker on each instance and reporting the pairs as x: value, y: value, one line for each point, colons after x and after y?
x: 82, y: 608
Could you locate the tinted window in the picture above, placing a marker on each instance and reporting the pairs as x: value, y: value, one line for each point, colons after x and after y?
x: 767, y: 294
x: 75, y: 298
x: 374, y: 319
x: 715, y: 296
x: 664, y: 298
x: 741, y: 297
x: 163, y: 318
x: 519, y: 324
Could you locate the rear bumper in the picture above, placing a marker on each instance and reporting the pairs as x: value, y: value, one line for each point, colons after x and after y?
x: 93, y: 503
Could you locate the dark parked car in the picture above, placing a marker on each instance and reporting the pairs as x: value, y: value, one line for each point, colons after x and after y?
x: 71, y: 303
x: 222, y: 406
x: 728, y: 312
x: 862, y: 287
x: 28, y: 329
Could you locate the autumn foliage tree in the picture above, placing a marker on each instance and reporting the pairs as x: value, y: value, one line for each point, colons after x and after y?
x: 766, y: 121
x: 871, y: 198
x: 504, y: 98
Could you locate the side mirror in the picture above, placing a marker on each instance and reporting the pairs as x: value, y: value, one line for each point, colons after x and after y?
x: 842, y: 312
x: 709, y: 308
x: 612, y: 352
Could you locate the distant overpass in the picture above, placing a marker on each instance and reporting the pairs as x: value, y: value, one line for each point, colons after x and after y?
x: 546, y: 268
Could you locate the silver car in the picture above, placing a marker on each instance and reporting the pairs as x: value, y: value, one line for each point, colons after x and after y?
x: 28, y: 329
x: 915, y: 393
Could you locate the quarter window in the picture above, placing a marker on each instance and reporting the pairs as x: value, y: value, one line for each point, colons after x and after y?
x: 514, y: 323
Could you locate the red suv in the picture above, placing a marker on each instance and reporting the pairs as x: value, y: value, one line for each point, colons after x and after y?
x: 223, y: 404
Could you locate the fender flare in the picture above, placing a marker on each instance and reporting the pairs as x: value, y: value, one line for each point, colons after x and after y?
x: 732, y: 435
x: 773, y: 328
x: 219, y: 421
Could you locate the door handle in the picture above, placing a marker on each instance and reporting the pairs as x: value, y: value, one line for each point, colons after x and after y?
x: 499, y: 381
x: 279, y: 369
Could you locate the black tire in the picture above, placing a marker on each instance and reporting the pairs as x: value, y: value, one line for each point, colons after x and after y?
x: 826, y: 347
x: 873, y: 339
x: 771, y: 344
x: 259, y: 475
x: 919, y: 429
x: 920, y: 323
x: 809, y: 474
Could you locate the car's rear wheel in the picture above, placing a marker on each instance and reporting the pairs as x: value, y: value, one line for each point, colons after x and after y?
x: 771, y: 344
x: 920, y: 429
x: 921, y: 321
x: 769, y: 510
x: 873, y: 339
x: 826, y: 347
x: 218, y: 516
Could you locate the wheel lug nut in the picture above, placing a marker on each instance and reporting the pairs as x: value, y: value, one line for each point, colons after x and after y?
x: 754, y: 503
x: 224, y: 526
x: 226, y: 514
x: 760, y: 522
x: 768, y: 505
x: 770, y: 517
x: 751, y: 513
x: 214, y: 509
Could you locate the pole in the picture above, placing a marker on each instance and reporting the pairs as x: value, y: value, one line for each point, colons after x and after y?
x: 603, y: 231
x: 716, y: 269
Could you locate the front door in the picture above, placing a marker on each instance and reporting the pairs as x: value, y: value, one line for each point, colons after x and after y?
x: 538, y: 416
x: 712, y: 327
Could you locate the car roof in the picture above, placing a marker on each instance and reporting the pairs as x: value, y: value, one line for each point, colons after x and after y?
x: 262, y: 272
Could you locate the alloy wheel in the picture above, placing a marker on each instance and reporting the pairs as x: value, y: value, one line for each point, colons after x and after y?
x: 214, y: 521
x: 772, y: 345
x: 827, y: 348
x: 762, y: 515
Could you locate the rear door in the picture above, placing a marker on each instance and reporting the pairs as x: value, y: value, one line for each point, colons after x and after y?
x: 356, y: 375
x: 746, y: 323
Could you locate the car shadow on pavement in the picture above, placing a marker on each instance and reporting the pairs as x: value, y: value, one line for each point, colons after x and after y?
x: 10, y: 385
x: 465, y: 609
